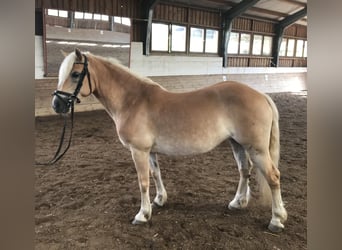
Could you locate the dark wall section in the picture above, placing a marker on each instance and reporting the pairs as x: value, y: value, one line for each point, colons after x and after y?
x: 38, y: 22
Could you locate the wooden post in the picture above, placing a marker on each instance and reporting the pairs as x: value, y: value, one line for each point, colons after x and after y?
x: 148, y: 13
x: 228, y: 18
x: 279, y: 30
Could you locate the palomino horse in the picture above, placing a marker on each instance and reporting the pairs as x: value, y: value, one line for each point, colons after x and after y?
x: 150, y: 120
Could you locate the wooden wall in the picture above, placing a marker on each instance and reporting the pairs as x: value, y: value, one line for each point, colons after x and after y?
x: 252, y: 26
x: 181, y: 14
x: 125, y: 8
x: 187, y: 15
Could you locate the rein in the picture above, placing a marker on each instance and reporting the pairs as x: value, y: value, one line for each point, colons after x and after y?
x: 69, y: 100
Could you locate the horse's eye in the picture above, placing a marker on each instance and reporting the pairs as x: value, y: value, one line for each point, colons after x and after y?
x: 75, y: 74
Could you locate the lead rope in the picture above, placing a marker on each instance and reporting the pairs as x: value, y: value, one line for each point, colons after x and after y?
x: 71, y: 100
x: 58, y: 156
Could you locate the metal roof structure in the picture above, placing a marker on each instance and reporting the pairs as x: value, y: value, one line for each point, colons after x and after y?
x: 271, y: 10
x: 282, y: 12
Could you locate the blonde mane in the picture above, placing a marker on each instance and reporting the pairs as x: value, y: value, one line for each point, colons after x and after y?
x: 69, y: 60
x: 65, y: 68
x: 118, y: 64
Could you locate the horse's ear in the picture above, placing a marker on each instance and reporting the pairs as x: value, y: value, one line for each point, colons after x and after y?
x: 78, y: 54
x: 64, y: 53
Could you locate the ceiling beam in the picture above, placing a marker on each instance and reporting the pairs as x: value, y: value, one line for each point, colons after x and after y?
x: 240, y: 8
x: 293, y: 18
x: 296, y: 2
x: 269, y: 12
x: 151, y: 3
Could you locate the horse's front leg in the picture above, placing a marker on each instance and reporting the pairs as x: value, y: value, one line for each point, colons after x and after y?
x: 141, y: 161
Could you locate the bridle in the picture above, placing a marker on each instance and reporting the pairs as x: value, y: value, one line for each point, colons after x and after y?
x: 69, y: 100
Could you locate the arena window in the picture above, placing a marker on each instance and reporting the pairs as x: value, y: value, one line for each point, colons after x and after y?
x: 196, y: 39
x: 262, y: 45
x: 160, y: 37
x: 299, y: 48
x: 97, y: 17
x: 282, y: 51
x: 233, y: 45
x: 305, y: 49
x: 79, y: 15
x: 174, y: 38
x: 211, y: 41
x: 242, y: 44
x: 239, y: 43
x: 88, y: 16
x: 257, y: 44
x: 245, y: 40
x: 60, y: 13
x: 178, y: 35
x: 290, y: 47
x: 267, y: 46
x: 122, y: 20
x: 203, y: 40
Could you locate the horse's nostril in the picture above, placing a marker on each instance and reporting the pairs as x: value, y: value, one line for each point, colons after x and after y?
x: 55, y: 104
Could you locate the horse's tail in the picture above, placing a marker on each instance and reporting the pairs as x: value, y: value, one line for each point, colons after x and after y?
x: 274, y: 149
x: 274, y: 137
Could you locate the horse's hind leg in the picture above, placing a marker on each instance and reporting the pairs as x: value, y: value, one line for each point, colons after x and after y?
x: 161, y: 195
x: 242, y: 195
x: 262, y: 161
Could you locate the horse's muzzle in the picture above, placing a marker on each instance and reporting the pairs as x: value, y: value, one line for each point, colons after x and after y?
x: 62, y: 101
x: 61, y: 104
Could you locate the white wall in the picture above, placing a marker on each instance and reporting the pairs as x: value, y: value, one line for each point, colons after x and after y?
x: 172, y: 65
x: 89, y: 35
x: 39, y: 62
x: 192, y: 65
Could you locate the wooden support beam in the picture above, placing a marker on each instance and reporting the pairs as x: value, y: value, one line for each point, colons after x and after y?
x: 111, y: 23
x: 148, y: 13
x: 71, y: 19
x: 293, y: 18
x: 240, y: 8
x: 279, y: 33
x: 228, y: 18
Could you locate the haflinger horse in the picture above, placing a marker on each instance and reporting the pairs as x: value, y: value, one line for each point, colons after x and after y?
x: 150, y: 120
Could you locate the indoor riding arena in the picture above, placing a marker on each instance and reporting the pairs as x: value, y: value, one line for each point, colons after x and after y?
x: 88, y: 198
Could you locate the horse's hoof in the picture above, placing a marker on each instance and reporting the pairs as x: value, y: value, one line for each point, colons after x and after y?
x: 233, y: 208
x: 138, y: 222
x: 275, y: 228
x: 155, y: 205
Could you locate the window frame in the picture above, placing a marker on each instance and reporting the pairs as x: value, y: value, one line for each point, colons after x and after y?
x: 301, y: 49
x: 171, y: 25
x: 187, y: 39
x: 294, y: 56
x: 168, y: 38
x: 217, y: 42
x: 261, y: 45
x: 58, y: 14
x: 189, y: 48
x: 251, y: 44
x: 203, y: 52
